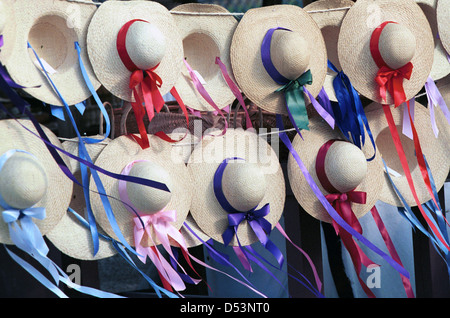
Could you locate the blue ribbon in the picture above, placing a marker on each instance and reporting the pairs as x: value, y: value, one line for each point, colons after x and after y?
x: 350, y: 116
x: 255, y: 217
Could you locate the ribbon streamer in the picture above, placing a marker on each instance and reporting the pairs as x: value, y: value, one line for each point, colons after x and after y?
x: 435, y: 98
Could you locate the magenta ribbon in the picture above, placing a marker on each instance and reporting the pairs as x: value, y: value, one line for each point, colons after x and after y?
x: 255, y: 217
x: 161, y: 223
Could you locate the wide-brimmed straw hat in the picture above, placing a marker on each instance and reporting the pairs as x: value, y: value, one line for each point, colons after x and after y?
x: 51, y: 28
x: 153, y: 43
x: 69, y: 235
x: 408, y: 40
x: 205, y: 37
x: 31, y: 178
x: 158, y: 163
x: 255, y: 179
x: 292, y: 53
x: 436, y: 152
x: 328, y: 14
x: 344, y: 165
x: 441, y: 66
x: 443, y: 23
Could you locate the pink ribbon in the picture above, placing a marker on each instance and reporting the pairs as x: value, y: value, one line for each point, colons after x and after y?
x: 161, y: 224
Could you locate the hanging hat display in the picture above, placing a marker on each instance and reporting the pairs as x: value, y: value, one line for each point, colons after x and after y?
x: 51, y: 29
x: 441, y: 65
x: 69, y: 235
x: 329, y: 23
x: 30, y: 179
x: 436, y: 151
x: 239, y: 184
x: 399, y: 35
x: 277, y: 54
x: 205, y: 38
x: 443, y: 24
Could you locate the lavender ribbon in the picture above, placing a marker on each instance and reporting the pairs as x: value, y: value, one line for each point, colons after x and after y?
x: 255, y: 217
x: 435, y: 98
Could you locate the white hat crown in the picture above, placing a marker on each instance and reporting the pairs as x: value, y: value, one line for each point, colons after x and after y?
x: 149, y: 200
x: 345, y: 166
x: 23, y: 181
x: 146, y: 44
x: 397, y: 45
x: 243, y: 185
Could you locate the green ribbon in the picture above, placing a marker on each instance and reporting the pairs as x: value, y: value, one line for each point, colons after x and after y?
x: 295, y: 99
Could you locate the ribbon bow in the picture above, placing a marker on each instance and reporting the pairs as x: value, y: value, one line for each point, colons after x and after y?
x: 392, y: 81
x: 295, y: 99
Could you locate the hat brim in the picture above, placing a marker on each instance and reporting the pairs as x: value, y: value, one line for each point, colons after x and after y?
x: 101, y: 40
x: 307, y: 150
x: 246, y: 61
x: 436, y: 151
x: 59, y: 191
x: 354, y: 45
x: 69, y: 235
x: 216, y: 32
x: 443, y: 23
x: 116, y: 155
x: 33, y: 24
x: 203, y: 163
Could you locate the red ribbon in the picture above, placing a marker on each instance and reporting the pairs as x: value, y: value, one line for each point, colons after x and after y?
x: 145, y: 86
x: 387, y: 78
x: 392, y: 80
x: 342, y: 203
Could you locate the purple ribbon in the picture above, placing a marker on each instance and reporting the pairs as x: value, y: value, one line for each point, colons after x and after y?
x: 255, y: 217
x: 435, y: 98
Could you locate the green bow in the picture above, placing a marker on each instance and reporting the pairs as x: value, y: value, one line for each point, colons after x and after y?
x: 295, y: 99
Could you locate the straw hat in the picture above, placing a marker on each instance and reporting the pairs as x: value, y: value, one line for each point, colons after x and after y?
x: 345, y: 166
x: 441, y: 66
x: 292, y: 53
x: 31, y: 180
x: 330, y: 24
x: 443, y: 24
x: 444, y: 88
x: 205, y: 37
x: 408, y: 40
x: 254, y: 181
x: 69, y: 235
x: 52, y: 28
x: 162, y: 46
x: 158, y: 163
x: 436, y: 151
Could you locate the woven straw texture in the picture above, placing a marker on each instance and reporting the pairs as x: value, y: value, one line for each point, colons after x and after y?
x: 307, y: 149
x: 115, y: 157
x: 246, y: 61
x: 436, y: 151
x: 69, y: 235
x: 102, y: 36
x: 203, y: 163
x: 57, y: 197
x: 204, y: 39
x: 354, y: 44
x: 52, y: 29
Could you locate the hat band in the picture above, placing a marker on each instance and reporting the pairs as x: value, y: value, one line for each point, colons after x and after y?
x: 255, y: 217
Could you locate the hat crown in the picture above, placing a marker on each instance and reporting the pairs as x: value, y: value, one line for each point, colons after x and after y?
x: 146, y: 199
x: 23, y: 181
x: 345, y: 166
x: 146, y: 44
x: 290, y: 54
x: 243, y: 185
x: 397, y: 45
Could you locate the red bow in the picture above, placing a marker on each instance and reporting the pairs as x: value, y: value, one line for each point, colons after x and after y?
x: 392, y: 81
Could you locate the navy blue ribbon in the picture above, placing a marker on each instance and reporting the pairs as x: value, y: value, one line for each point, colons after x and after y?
x: 349, y: 113
x: 255, y: 217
